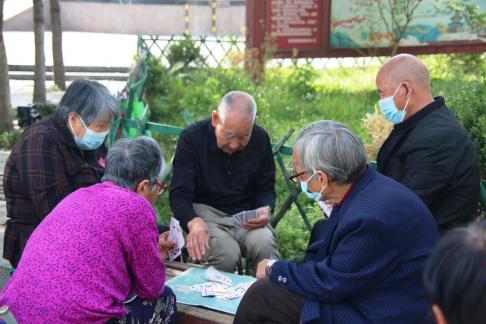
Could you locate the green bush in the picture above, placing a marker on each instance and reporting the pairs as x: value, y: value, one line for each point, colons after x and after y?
x: 468, y: 102
x: 45, y: 109
x: 8, y: 139
x: 184, y: 52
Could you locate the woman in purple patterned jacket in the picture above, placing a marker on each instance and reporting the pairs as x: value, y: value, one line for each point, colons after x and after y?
x: 97, y: 246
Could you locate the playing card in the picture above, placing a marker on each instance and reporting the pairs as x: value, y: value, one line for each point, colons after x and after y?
x: 214, y: 286
x: 237, y: 291
x: 238, y: 218
x: 212, y: 274
x: 207, y: 292
x: 249, y: 214
x: 243, y: 216
x: 220, y: 290
x: 175, y: 235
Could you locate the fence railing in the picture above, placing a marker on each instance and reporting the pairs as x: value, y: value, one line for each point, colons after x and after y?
x: 224, y: 51
x: 26, y: 72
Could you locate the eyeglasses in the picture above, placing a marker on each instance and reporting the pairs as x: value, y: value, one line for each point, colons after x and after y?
x: 294, y: 175
x: 162, y: 187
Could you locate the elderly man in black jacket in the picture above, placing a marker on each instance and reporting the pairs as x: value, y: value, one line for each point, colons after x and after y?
x: 428, y: 150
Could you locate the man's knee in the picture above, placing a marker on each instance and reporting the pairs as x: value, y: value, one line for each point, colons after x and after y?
x: 224, y: 253
x: 261, y: 244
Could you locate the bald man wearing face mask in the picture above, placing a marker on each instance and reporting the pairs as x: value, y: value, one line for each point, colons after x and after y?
x: 427, y: 150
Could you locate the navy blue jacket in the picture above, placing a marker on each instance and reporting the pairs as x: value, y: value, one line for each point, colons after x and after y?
x: 366, y: 264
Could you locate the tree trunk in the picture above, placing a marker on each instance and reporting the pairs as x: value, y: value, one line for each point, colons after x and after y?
x: 59, y: 77
x: 40, y: 64
x: 5, y: 104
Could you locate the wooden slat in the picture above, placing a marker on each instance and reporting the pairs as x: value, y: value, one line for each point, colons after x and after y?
x: 80, y: 69
x: 71, y: 77
x: 198, y: 315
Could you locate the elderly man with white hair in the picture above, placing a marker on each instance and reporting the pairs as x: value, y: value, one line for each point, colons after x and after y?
x: 223, y: 166
x: 428, y: 150
x: 365, y: 265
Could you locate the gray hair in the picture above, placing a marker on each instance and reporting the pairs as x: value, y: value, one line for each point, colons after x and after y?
x: 234, y: 100
x: 332, y: 148
x: 131, y: 161
x: 89, y: 99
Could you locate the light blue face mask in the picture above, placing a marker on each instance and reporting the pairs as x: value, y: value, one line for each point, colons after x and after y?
x: 91, y: 139
x: 390, y: 110
x: 311, y: 195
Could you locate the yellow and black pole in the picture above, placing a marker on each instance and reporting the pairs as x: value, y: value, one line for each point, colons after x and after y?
x: 186, y: 19
x: 213, y: 16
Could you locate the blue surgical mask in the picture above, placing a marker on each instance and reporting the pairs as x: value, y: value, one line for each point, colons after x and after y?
x: 91, y: 139
x: 390, y: 110
x: 311, y: 195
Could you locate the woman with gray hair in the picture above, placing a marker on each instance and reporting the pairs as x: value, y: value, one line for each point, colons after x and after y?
x: 53, y: 158
x: 365, y: 263
x: 99, y: 246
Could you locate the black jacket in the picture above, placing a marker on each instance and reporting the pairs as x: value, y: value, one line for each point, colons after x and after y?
x: 433, y: 155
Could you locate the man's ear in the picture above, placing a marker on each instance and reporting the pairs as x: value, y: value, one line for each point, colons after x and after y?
x: 408, y: 88
x: 439, y: 316
x: 322, y: 178
x: 142, y: 187
x: 214, y: 118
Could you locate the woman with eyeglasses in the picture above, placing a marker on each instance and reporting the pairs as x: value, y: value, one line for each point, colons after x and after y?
x: 99, y: 246
x: 54, y: 157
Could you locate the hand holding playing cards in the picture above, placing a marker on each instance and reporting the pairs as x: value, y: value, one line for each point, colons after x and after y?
x: 164, y: 245
x: 263, y: 216
x: 198, y: 238
x: 260, y: 273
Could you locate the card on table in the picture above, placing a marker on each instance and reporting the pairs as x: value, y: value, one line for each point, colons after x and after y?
x: 185, y: 285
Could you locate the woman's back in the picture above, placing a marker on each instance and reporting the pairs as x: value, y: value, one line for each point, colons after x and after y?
x: 78, y: 264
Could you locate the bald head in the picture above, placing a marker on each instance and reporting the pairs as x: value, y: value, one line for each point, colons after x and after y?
x: 406, y: 79
x: 237, y: 105
x: 233, y: 122
x: 405, y: 67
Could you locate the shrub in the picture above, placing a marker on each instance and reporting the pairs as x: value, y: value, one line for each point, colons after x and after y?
x: 379, y: 128
x: 469, y: 104
x: 45, y: 109
x: 8, y: 139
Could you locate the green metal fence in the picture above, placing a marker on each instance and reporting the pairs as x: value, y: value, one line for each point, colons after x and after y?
x: 224, y: 51
x: 214, y: 51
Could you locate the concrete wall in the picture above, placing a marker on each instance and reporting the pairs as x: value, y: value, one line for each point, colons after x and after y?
x: 137, y: 19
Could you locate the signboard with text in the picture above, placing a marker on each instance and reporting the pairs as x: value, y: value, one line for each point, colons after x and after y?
x: 295, y: 24
x: 335, y: 28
